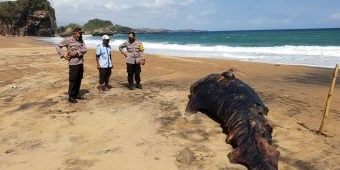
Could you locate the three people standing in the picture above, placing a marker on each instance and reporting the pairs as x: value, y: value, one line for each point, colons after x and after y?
x: 135, y: 57
x: 75, y: 55
x: 104, y: 63
x: 134, y: 54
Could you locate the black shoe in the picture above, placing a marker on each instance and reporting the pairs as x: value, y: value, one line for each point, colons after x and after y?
x: 139, y: 86
x: 108, y: 87
x: 80, y: 97
x: 130, y: 86
x: 72, y: 100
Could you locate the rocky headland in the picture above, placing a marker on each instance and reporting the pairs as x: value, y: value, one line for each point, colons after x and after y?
x: 27, y: 18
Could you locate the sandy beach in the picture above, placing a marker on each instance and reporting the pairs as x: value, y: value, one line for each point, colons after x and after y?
x: 148, y: 129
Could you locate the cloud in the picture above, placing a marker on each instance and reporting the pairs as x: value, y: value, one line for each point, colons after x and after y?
x: 206, y: 13
x: 200, y: 18
x: 335, y: 16
x: 165, y: 3
x: 122, y: 4
x: 199, y: 14
x: 124, y: 12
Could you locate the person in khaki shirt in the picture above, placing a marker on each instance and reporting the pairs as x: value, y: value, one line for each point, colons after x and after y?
x: 75, y: 52
x: 135, y: 57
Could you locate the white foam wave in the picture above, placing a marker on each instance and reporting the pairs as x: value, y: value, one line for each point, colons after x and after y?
x: 319, y: 56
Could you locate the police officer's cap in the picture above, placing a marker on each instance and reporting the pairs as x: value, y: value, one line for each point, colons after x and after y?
x: 77, y: 29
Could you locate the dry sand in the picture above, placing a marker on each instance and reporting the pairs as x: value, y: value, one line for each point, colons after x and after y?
x: 147, y: 129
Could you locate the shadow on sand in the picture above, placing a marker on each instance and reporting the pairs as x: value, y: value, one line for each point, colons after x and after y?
x: 322, y: 77
x: 82, y: 92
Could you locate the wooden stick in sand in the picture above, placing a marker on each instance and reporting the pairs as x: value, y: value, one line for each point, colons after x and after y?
x: 331, y: 89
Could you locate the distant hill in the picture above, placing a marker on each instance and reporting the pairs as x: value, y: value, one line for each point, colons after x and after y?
x: 64, y: 31
x: 95, y: 27
x: 149, y: 30
x: 101, y: 27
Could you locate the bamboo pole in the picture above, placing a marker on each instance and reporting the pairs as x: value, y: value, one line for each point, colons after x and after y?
x: 330, y: 93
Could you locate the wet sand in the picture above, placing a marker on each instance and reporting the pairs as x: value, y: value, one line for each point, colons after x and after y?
x: 148, y: 129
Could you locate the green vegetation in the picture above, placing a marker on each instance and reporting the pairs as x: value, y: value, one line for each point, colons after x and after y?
x: 9, y: 10
x: 13, y: 9
x: 67, y: 27
x: 95, y: 27
x: 100, y: 27
x: 27, y: 18
x: 121, y: 29
x: 97, y: 24
x: 64, y: 31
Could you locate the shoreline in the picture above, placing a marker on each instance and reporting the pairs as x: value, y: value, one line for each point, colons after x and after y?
x: 41, y: 130
x: 313, y: 56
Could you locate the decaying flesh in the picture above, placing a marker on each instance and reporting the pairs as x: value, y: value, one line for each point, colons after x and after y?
x: 242, y: 116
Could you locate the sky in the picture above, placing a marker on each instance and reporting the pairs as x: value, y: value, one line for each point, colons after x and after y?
x: 212, y: 15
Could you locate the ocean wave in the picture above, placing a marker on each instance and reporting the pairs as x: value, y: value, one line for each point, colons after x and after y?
x: 319, y: 56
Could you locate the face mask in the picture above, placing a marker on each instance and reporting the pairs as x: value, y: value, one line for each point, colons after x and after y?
x: 77, y: 36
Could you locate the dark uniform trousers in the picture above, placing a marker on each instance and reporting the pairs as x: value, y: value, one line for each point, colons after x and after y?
x: 133, y: 70
x: 104, y: 75
x: 75, y: 77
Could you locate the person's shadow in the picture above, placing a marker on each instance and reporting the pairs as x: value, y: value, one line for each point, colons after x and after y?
x: 82, y: 92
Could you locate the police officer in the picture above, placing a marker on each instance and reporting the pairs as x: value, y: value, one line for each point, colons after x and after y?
x: 104, y: 63
x: 75, y: 52
x: 135, y: 57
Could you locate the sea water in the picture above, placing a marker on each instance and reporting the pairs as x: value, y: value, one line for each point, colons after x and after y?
x: 309, y: 47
